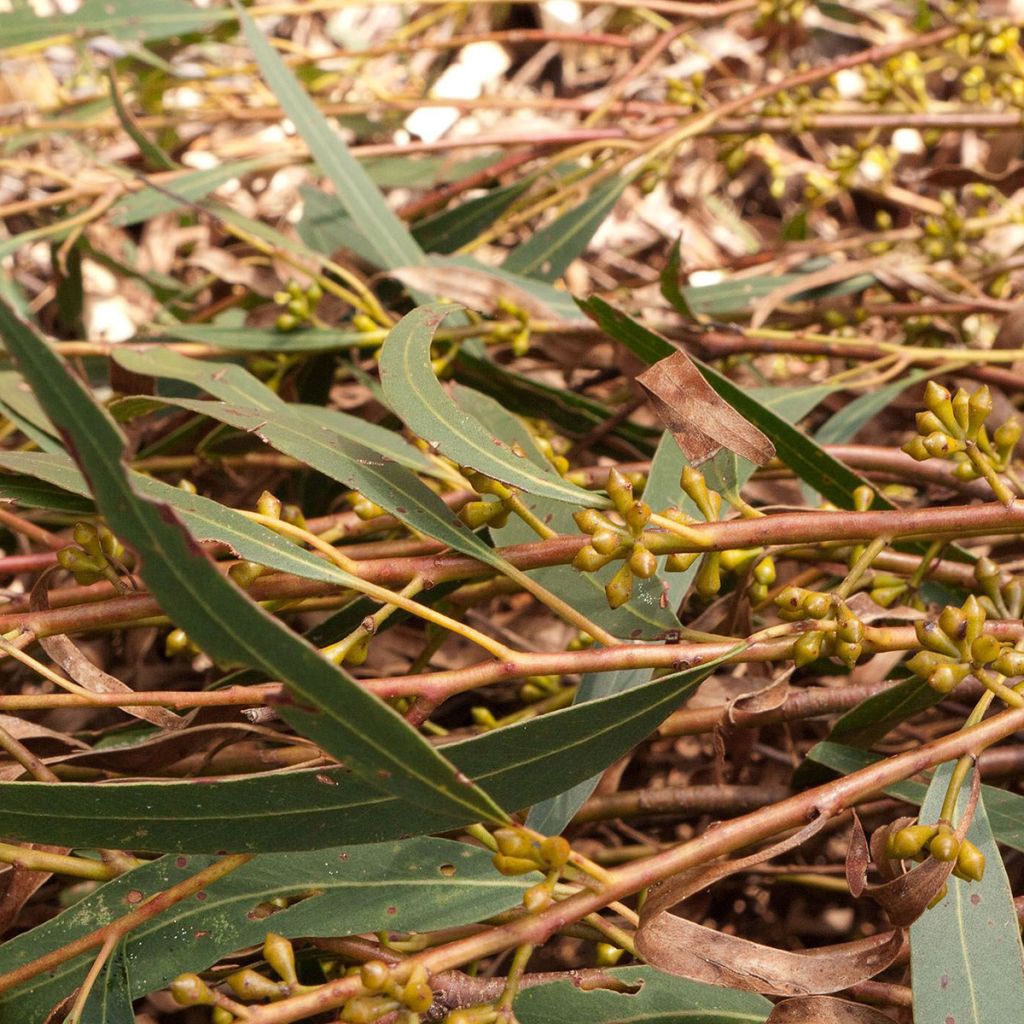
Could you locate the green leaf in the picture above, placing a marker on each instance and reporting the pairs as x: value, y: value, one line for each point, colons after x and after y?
x: 390, y: 238
x: 451, y: 229
x: 20, y: 406
x: 414, y: 393
x: 293, y: 432
x: 806, y: 458
x: 262, y: 339
x: 651, y: 997
x: 233, y: 384
x: 126, y: 20
x: 326, y: 227
x: 154, y: 156
x: 110, y: 1001
x: 417, y: 884
x: 347, y: 721
x: 574, y: 414
x: 730, y: 298
x: 669, y: 281
x: 552, y: 815
x: 875, y: 717
x: 966, y: 958
x: 204, y: 518
x: 519, y: 765
x: 148, y: 203
x: 548, y: 252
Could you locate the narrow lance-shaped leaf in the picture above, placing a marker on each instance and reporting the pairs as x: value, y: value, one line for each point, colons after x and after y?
x: 367, y: 207
x: 342, y: 717
x: 415, y: 394
x: 519, y: 764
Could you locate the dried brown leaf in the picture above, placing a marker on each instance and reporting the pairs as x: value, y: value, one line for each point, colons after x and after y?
x: 690, y: 950
x: 701, y: 422
x: 858, y: 856
x: 64, y: 653
x: 825, y: 1010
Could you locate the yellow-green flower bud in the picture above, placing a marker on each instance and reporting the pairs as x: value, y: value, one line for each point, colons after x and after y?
x: 985, y: 649
x: 961, y: 412
x: 513, y: 843
x: 937, y: 399
x: 970, y: 862
x: 808, y: 647
x: 286, y: 322
x: 642, y: 563
x: 637, y: 516
x: 817, y: 606
x: 607, y: 955
x: 708, y: 581
x: 268, y: 505
x: 916, y: 450
x: 589, y: 560
x: 944, y: 846
x: 589, y: 520
x: 514, y: 865
x: 555, y: 851
x: 933, y: 637
x: 619, y: 587
x: 978, y: 409
x: 765, y: 572
x: 278, y: 952
x: 620, y: 490
x: 606, y: 542
x: 910, y: 841
x: 681, y: 562
x: 191, y: 990
x: 249, y: 984
x: 374, y: 974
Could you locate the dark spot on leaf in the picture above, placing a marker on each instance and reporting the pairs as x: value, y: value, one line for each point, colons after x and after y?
x: 975, y: 899
x: 944, y: 981
x: 134, y: 896
x: 181, y: 861
x: 201, y: 935
x: 448, y: 870
x: 383, y: 773
x: 950, y: 1019
x: 635, y: 634
x: 391, y: 911
x: 343, y: 856
x: 401, y: 510
x: 326, y: 780
x: 201, y: 895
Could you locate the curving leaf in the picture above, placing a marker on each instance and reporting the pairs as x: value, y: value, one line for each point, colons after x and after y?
x: 234, y: 384
x: 415, y: 884
x: 123, y: 19
x: 414, y: 393
x: 341, y: 716
x: 519, y: 764
x: 390, y: 238
x: 548, y: 251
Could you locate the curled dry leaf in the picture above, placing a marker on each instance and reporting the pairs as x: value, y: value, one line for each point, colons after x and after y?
x: 905, y: 896
x: 62, y: 651
x: 690, y: 950
x: 701, y: 422
x: 858, y: 857
x: 825, y: 1010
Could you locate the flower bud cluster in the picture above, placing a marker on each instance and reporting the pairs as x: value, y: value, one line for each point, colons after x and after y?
x: 840, y: 633
x: 299, y: 305
x: 955, y: 646
x: 918, y: 842
x: 520, y: 853
x: 610, y: 541
x: 90, y: 558
x: 953, y: 428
